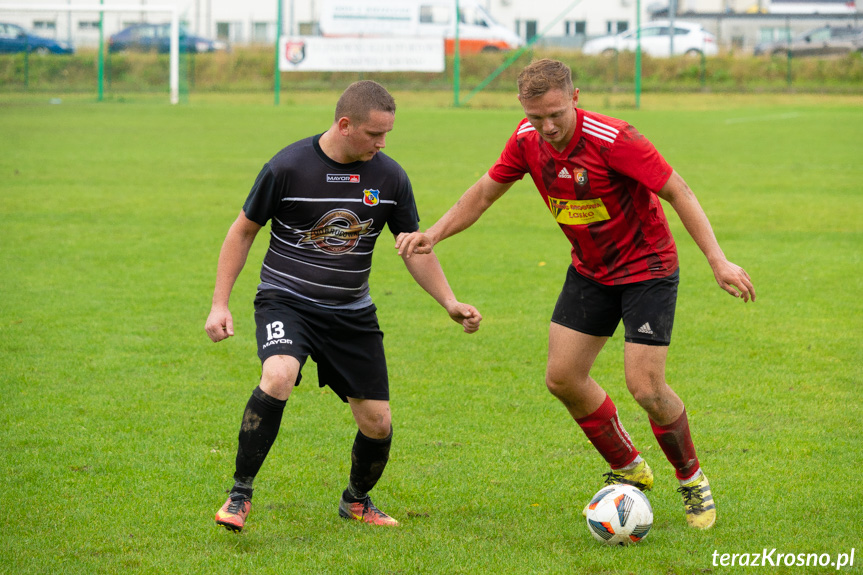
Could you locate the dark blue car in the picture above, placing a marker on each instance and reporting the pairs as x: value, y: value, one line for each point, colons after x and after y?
x: 157, y: 38
x: 14, y: 39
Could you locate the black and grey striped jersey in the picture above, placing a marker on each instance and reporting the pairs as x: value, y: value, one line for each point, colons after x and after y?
x: 325, y: 219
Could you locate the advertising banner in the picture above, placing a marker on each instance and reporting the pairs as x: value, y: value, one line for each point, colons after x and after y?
x: 320, y: 54
x: 812, y: 7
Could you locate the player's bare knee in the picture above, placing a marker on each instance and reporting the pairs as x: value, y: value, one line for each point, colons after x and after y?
x: 645, y: 382
x: 660, y: 402
x: 649, y: 400
x: 376, y: 428
x: 374, y: 419
x: 566, y: 393
x: 379, y: 432
x: 555, y: 386
x: 277, y: 378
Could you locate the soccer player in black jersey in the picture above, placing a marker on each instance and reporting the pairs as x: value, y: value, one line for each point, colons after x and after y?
x: 328, y: 199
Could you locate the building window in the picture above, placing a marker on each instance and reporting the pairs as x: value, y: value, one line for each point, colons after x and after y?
x: 529, y: 29
x: 44, y: 25
x: 88, y: 25
x: 308, y: 28
x: 575, y: 27
x: 223, y: 30
x: 263, y: 32
x: 229, y: 31
x: 616, y: 27
x: 773, y: 34
x: 433, y: 14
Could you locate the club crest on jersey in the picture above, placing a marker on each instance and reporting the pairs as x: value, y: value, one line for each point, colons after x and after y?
x: 580, y: 176
x: 371, y: 197
x: 337, y: 232
x: 343, y: 178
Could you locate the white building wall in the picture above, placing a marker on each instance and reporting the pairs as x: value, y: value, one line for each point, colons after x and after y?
x: 552, y: 16
x: 254, y: 21
x: 251, y: 20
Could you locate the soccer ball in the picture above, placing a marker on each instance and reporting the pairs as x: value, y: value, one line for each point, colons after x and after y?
x: 619, y: 515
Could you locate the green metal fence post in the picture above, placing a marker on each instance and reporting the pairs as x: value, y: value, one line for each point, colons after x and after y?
x: 277, y: 72
x: 456, y: 69
x: 637, y: 54
x: 788, y: 51
x: 27, y: 65
x: 101, y: 53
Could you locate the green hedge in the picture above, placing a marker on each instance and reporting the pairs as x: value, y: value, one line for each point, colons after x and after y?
x: 251, y: 70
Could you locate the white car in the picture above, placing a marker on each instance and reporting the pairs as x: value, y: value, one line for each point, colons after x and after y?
x: 689, y: 39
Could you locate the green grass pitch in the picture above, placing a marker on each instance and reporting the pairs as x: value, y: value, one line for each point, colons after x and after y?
x: 119, y: 417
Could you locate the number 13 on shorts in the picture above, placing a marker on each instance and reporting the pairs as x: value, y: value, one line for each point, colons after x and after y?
x: 275, y: 330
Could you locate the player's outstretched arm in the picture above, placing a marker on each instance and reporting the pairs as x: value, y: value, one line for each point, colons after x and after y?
x: 467, y: 210
x: 730, y: 277
x: 427, y: 272
x: 232, y: 258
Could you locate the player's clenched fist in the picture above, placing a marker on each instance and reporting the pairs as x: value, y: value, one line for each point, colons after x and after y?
x: 220, y: 324
x: 466, y: 315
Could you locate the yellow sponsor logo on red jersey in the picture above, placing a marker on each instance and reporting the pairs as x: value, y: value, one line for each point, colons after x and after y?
x: 575, y: 212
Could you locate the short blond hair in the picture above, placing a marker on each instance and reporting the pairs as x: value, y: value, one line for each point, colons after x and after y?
x: 543, y: 76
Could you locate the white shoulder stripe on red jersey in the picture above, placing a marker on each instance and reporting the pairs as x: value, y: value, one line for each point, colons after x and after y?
x: 526, y: 127
x: 601, y: 127
x: 598, y: 135
x: 600, y: 130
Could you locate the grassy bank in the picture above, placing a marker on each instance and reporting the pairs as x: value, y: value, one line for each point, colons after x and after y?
x: 251, y: 70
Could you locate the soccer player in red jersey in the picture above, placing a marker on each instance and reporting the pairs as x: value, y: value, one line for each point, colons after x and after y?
x: 602, y: 181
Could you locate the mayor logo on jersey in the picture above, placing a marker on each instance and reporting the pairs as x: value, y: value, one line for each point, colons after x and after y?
x: 343, y: 178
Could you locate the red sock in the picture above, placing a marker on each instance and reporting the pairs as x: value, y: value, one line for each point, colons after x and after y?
x: 676, y: 443
x: 605, y: 432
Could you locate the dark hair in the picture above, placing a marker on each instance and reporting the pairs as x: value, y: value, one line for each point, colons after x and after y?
x: 360, y: 98
x: 542, y: 76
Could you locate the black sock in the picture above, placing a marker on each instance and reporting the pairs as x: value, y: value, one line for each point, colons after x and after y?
x: 368, y: 459
x: 259, y: 429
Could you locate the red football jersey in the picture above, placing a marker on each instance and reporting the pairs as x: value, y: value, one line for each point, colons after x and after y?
x: 600, y: 190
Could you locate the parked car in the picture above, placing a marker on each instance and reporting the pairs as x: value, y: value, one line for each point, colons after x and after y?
x: 157, y: 38
x: 15, y: 39
x: 690, y: 39
x: 823, y: 41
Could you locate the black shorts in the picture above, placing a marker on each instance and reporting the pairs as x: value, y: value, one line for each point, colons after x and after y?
x: 347, y: 345
x: 647, y: 307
